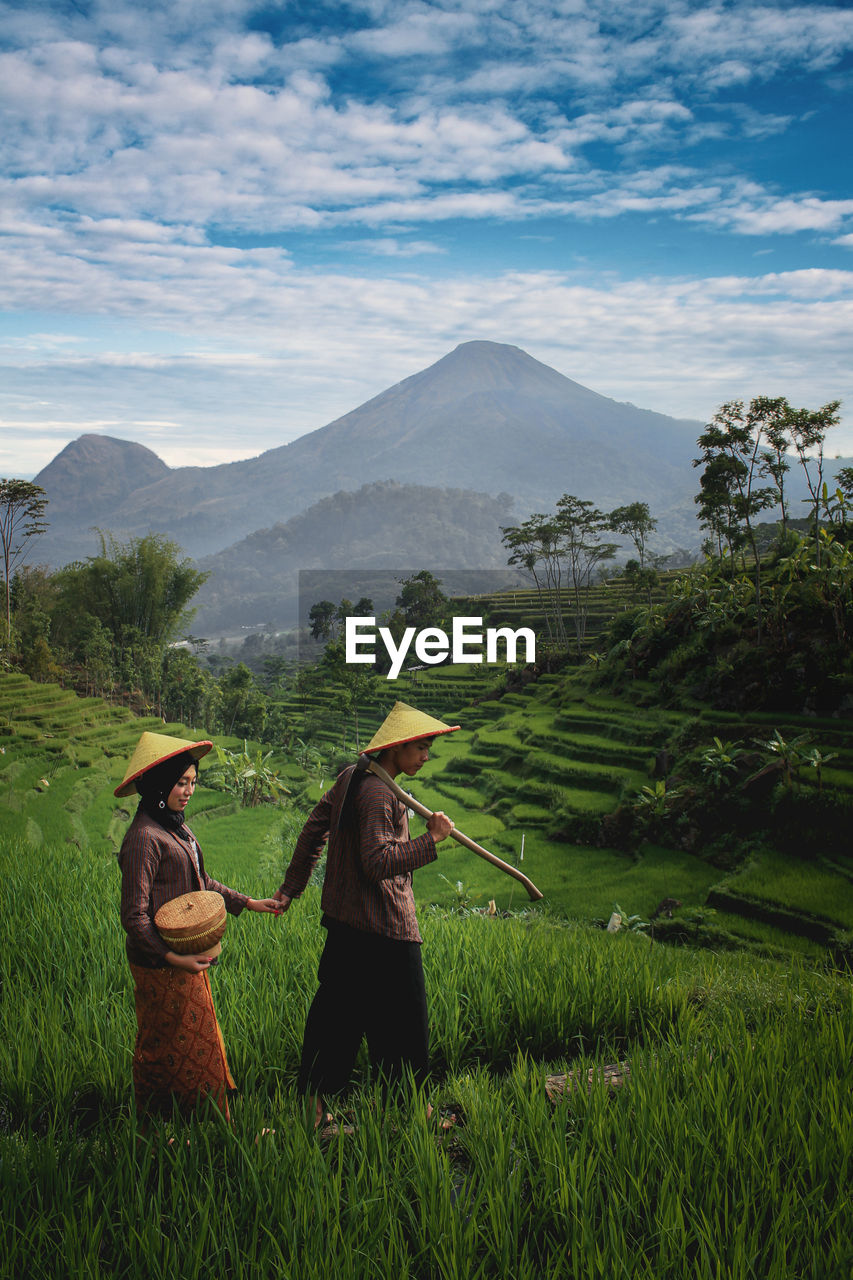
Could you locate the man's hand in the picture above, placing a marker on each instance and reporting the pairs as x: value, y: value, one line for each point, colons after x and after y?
x: 281, y: 900
x: 439, y: 826
x: 264, y: 904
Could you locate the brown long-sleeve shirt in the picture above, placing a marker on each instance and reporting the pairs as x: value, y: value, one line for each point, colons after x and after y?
x: 368, y: 883
x: 156, y: 866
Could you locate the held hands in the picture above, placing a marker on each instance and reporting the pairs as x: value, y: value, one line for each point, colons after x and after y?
x: 264, y: 904
x: 439, y: 826
x: 281, y: 900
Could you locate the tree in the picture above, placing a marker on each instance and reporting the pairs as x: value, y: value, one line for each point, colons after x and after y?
x: 248, y: 777
x: 22, y: 506
x: 580, y: 526
x: 422, y: 601
x: 243, y: 708
x: 774, y: 416
x: 535, y: 547
x: 808, y: 433
x: 355, y: 685
x: 640, y: 579
x: 322, y: 618
x: 140, y: 587
x: 732, y: 453
x: 633, y: 521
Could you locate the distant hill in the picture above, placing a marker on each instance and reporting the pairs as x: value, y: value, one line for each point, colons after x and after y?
x: 487, y: 417
x: 87, y: 482
x: 359, y: 543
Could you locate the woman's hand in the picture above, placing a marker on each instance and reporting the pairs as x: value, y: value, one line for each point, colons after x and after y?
x: 264, y: 904
x: 192, y: 964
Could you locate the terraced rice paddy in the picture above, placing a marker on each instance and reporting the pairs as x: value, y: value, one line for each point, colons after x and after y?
x: 543, y: 765
x: 725, y: 1152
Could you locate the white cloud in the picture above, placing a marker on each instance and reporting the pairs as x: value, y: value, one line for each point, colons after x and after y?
x: 141, y: 142
x: 390, y: 247
x: 315, y: 349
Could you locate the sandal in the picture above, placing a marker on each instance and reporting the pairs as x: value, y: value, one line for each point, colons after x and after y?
x: 333, y: 1129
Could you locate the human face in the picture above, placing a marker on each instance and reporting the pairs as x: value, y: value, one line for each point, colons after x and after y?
x: 181, y: 793
x: 410, y: 756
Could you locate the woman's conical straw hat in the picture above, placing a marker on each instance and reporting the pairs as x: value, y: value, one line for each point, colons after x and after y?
x: 154, y: 748
x: 406, y: 724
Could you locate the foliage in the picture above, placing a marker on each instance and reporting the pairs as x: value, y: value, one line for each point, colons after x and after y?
x: 22, y: 507
x: 328, y: 619
x: 705, y: 642
x: 565, y: 550
x: 634, y: 923
x: 140, y: 588
x: 421, y: 601
x: 247, y: 776
x: 783, y: 755
x: 242, y: 707
x: 719, y: 762
x: 634, y: 521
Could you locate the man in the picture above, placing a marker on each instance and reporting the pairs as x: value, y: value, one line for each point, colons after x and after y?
x: 371, y: 975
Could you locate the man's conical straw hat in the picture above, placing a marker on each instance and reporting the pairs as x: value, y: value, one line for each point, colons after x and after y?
x: 154, y: 748
x: 406, y: 724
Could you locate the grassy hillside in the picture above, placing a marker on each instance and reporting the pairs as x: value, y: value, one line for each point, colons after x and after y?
x: 546, y: 764
x: 61, y: 757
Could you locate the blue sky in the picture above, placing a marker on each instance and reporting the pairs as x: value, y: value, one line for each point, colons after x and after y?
x: 223, y: 224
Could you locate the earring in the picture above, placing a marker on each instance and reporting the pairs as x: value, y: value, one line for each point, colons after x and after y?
x: 162, y: 804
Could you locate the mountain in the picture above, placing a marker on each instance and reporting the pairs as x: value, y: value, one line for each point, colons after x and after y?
x: 355, y: 544
x: 87, y: 481
x: 486, y: 417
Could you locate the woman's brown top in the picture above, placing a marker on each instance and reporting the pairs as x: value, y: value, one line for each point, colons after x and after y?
x: 156, y: 866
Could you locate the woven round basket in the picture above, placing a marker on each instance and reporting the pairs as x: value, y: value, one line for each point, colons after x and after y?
x: 193, y: 924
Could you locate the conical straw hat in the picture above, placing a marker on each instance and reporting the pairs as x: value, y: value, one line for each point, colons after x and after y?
x: 154, y: 748
x: 406, y: 724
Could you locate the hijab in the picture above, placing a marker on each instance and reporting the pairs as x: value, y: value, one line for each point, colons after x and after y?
x: 155, y: 787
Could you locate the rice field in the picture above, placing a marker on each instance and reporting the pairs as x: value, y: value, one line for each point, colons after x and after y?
x: 725, y: 1153
x: 812, y: 886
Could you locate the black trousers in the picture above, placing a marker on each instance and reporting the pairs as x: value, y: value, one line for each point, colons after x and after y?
x: 369, y: 986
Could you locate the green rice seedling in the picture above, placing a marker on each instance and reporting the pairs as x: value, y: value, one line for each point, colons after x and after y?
x: 776, y: 878
x: 734, y: 1119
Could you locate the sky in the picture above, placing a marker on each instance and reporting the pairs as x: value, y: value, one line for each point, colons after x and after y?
x: 224, y: 224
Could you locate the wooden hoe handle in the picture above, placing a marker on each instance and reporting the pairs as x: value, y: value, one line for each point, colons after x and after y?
x: 533, y: 893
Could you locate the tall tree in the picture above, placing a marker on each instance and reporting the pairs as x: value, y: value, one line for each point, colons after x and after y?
x: 771, y: 417
x: 22, y: 506
x: 808, y: 433
x: 535, y: 547
x: 580, y: 526
x: 321, y: 615
x: 734, y: 461
x: 633, y: 521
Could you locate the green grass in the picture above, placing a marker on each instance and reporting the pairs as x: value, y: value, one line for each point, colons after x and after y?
x: 766, y: 935
x: 727, y: 1154
x: 790, y: 882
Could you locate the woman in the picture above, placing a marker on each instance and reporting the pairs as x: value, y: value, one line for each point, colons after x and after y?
x: 179, y: 1054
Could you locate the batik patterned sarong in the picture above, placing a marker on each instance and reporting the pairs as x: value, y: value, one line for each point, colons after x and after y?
x: 179, y: 1054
